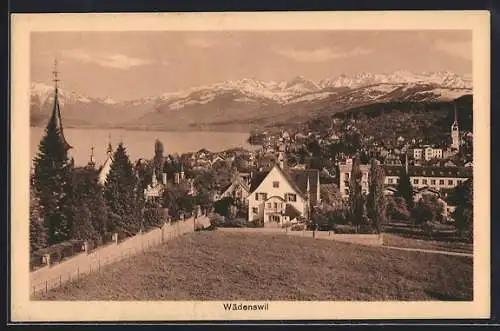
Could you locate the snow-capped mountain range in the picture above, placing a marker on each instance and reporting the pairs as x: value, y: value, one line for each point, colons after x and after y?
x: 234, y: 99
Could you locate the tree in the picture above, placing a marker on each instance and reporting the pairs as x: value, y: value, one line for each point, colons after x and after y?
x: 38, y: 232
x: 120, y: 193
x: 153, y: 215
x: 428, y: 209
x: 177, y: 200
x: 405, y: 189
x: 89, y: 212
x: 82, y: 227
x: 376, y: 200
x: 397, y: 209
x: 356, y: 201
x: 464, y: 212
x: 51, y: 181
x: 158, y: 159
x: 331, y: 198
x: 222, y: 207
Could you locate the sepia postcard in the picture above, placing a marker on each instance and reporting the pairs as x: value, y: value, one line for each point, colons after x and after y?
x: 250, y: 166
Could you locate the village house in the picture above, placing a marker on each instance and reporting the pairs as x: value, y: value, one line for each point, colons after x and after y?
x: 437, y: 178
x: 282, y: 195
x: 154, y: 191
x: 238, y: 189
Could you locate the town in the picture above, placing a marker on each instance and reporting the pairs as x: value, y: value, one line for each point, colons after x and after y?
x: 305, y: 178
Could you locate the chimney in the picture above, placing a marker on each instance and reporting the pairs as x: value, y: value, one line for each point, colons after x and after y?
x: 164, y: 178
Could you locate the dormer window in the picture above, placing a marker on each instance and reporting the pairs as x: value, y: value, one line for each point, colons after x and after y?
x: 276, y: 184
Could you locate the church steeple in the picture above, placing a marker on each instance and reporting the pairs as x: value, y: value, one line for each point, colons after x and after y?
x: 455, y: 131
x: 56, y: 120
x: 91, y: 161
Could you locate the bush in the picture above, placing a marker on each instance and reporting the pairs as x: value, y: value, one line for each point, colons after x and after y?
x: 344, y: 229
x: 235, y: 223
x: 298, y: 227
x: 255, y: 224
x: 216, y: 220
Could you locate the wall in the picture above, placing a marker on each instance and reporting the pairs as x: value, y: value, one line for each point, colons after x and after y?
x: 46, y: 278
x: 360, y: 239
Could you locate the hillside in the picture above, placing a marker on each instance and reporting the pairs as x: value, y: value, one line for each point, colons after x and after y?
x: 385, y: 120
x: 228, y: 266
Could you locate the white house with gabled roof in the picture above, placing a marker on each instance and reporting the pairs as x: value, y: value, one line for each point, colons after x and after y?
x: 281, y: 195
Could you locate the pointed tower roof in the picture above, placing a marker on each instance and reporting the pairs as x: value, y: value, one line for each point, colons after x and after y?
x: 106, y: 167
x: 91, y: 161
x: 56, y: 120
x: 455, y: 114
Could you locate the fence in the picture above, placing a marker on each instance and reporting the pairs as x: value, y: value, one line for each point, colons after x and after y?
x: 46, y: 278
x: 362, y: 239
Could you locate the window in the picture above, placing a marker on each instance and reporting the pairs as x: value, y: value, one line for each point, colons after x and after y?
x: 450, y: 182
x: 260, y: 196
x: 275, y: 205
x: 397, y: 180
x: 276, y: 184
x: 255, y: 210
x: 441, y: 182
x: 390, y: 180
x: 268, y: 205
x: 433, y: 182
x: 424, y: 181
x: 415, y: 181
x: 346, y: 176
x: 292, y: 197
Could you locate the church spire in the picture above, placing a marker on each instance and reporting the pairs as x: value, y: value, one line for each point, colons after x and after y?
x: 455, y: 121
x: 109, y: 151
x: 56, y: 120
x: 92, y: 161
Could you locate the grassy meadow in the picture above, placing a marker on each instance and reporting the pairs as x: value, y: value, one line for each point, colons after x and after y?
x: 212, y: 265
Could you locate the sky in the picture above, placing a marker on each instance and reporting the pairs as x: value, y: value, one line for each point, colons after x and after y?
x: 126, y: 65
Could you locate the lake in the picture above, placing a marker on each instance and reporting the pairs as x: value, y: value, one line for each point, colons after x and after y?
x: 140, y: 144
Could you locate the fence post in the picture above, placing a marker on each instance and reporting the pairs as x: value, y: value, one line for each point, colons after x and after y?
x: 98, y: 265
x: 77, y: 273
x: 46, y: 286
x: 60, y: 280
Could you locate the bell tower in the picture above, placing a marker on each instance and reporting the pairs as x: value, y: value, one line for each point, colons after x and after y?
x: 455, y: 131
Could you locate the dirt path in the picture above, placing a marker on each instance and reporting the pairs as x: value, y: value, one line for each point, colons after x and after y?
x: 431, y: 251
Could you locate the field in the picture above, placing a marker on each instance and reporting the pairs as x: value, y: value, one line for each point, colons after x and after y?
x: 213, y: 265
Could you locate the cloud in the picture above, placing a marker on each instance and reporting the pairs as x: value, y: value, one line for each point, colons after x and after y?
x: 320, y: 54
x: 461, y: 49
x: 109, y: 60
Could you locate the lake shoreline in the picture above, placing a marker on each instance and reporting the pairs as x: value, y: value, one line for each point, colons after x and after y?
x: 91, y: 127
x: 140, y: 143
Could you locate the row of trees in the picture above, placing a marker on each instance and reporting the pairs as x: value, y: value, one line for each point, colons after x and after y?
x: 368, y: 212
x: 69, y: 203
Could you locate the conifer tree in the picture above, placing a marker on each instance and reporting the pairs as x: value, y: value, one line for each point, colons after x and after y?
x: 158, y: 159
x: 38, y: 232
x: 51, y: 181
x: 356, y: 200
x: 120, y: 193
x: 89, y: 210
x: 405, y: 189
x: 376, y: 200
